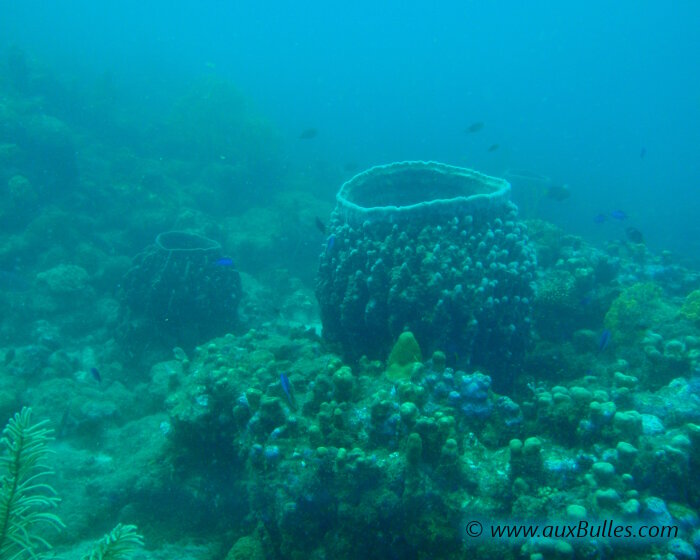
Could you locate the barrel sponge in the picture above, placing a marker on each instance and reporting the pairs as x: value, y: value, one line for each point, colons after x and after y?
x: 409, y: 190
x: 430, y: 248
x: 183, y: 286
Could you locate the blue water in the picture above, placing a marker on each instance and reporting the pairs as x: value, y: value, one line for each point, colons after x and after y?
x: 572, y: 92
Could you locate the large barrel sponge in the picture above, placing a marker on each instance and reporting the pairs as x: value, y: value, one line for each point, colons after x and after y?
x: 183, y: 289
x: 434, y: 249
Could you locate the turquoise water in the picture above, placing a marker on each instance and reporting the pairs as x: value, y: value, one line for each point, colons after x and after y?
x: 242, y: 366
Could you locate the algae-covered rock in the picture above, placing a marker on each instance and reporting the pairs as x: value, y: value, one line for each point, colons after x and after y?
x: 576, y: 512
x: 603, y: 472
x: 526, y: 458
x: 691, y: 307
x: 20, y: 200
x: 246, y: 548
x: 409, y: 413
x: 607, y: 498
x: 439, y: 361
x: 253, y: 397
x: 385, y: 421
x: 516, y: 448
x: 343, y: 383
x: 271, y: 412
x: 448, y: 471
x: 64, y: 279
x: 532, y: 446
x: 414, y: 449
x: 546, y: 548
x: 681, y: 550
x: 404, y: 357
x: 635, y: 310
x: 626, y: 454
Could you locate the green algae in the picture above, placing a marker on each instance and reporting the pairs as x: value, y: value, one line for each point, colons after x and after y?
x: 691, y: 307
x: 404, y: 357
x: 636, y: 309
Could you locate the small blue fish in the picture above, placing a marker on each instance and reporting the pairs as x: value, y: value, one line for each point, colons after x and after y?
x: 96, y: 374
x: 643, y: 153
x: 330, y: 243
x: 224, y: 261
x: 600, y: 219
x: 618, y: 215
x: 604, y: 340
x: 288, y: 390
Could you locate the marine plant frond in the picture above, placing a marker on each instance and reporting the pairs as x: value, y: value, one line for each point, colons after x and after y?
x: 24, y: 497
x: 119, y: 544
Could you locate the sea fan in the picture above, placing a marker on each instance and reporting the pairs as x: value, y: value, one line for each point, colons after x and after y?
x: 119, y: 544
x: 24, y: 499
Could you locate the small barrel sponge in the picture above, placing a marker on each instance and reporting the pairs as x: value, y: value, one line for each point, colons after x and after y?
x: 184, y: 288
x: 430, y: 248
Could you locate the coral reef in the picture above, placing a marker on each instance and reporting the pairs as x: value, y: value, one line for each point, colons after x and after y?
x: 361, y: 451
x: 235, y: 427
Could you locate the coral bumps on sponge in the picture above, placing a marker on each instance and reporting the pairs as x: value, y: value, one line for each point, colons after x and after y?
x: 404, y: 357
